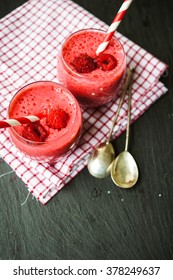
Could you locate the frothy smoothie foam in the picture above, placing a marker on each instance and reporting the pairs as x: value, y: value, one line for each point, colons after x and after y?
x: 57, y: 134
x: 100, y: 85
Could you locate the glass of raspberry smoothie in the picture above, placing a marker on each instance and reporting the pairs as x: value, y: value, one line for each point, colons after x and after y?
x: 59, y: 128
x: 94, y: 80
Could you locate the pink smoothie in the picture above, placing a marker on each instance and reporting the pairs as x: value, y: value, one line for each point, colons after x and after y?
x: 36, y: 98
x: 97, y: 87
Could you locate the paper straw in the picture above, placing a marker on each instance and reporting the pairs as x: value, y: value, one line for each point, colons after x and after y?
x: 18, y: 121
x: 113, y: 27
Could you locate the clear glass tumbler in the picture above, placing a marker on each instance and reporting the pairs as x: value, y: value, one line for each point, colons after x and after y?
x: 97, y: 87
x: 35, y: 99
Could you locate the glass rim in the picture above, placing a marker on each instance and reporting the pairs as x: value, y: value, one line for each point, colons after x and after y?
x: 83, y: 30
x: 77, y: 109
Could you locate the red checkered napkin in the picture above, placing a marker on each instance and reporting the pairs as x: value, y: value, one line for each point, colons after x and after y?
x: 30, y: 38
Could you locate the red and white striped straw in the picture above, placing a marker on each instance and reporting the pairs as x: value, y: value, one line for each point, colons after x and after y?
x: 18, y: 121
x: 113, y: 27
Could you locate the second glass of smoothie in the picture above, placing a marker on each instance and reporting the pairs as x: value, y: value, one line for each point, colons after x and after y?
x: 59, y: 129
x: 102, y: 82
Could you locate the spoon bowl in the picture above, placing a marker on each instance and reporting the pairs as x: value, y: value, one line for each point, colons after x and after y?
x: 124, y: 172
x: 99, y: 162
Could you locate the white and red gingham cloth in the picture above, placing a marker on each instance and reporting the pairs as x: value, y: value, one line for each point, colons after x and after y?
x: 30, y: 38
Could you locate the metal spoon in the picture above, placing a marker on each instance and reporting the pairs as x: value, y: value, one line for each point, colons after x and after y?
x: 99, y: 162
x: 124, y: 171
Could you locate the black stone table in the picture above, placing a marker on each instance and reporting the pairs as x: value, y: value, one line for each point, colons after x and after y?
x: 91, y: 218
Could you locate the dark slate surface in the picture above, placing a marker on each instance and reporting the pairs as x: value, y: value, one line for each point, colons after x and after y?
x: 91, y: 218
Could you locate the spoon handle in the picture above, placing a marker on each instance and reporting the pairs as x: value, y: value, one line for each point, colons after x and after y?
x: 128, y: 116
x: 125, y: 88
